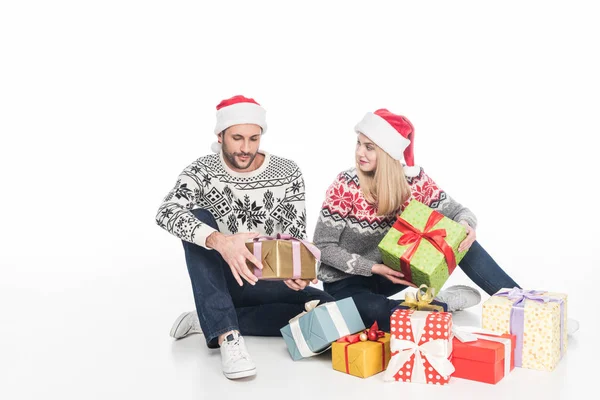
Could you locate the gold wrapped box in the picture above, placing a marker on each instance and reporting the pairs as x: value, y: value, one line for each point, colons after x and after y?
x: 284, y: 257
x: 361, y: 358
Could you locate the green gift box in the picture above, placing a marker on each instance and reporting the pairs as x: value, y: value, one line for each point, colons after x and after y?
x: 421, y: 244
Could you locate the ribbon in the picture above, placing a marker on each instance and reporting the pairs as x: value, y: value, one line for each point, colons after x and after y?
x: 373, y: 332
x: 422, y: 300
x: 412, y: 235
x: 517, y: 316
x: 336, y: 316
x: 296, y: 259
x: 437, y: 352
x: 467, y: 334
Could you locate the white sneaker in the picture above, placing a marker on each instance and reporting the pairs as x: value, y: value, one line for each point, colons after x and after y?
x: 186, y: 324
x: 235, y: 360
x: 572, y: 326
x: 459, y: 297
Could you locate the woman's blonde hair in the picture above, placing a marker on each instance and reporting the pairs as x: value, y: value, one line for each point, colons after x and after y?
x: 386, y: 187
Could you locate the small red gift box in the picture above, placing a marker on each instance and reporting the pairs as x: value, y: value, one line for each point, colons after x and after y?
x: 481, y: 355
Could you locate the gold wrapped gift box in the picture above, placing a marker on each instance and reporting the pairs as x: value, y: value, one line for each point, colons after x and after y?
x: 277, y: 258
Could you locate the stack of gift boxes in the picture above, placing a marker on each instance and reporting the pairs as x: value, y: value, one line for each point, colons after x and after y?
x: 520, y: 328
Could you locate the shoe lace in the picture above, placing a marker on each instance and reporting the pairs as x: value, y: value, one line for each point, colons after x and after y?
x: 236, y: 351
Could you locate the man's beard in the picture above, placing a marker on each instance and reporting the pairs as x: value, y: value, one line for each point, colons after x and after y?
x: 231, y: 158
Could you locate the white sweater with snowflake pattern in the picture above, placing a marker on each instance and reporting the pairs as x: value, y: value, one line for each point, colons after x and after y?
x: 268, y: 200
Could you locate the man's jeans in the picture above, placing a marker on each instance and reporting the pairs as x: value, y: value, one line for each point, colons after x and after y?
x: 223, y: 305
x: 370, y: 293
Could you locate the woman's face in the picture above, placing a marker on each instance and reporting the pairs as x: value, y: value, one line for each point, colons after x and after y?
x: 366, y: 157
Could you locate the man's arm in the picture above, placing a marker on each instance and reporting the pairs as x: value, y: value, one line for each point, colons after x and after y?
x: 174, y: 213
x: 175, y: 217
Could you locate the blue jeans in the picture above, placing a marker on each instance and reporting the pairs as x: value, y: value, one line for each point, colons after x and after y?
x: 223, y: 305
x: 370, y: 293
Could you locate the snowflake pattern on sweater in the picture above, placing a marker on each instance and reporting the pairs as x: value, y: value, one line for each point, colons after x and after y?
x: 348, y: 229
x: 268, y: 200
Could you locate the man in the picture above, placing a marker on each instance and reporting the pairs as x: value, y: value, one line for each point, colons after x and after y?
x: 218, y: 203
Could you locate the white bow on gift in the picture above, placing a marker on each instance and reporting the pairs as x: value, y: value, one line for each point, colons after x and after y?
x: 472, y: 333
x: 437, y: 352
x: 336, y: 316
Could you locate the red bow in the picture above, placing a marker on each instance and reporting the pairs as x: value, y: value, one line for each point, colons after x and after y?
x: 374, y: 333
x: 350, y: 339
x: 412, y: 235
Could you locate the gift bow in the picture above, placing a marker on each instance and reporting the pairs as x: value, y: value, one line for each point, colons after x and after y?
x: 517, y: 316
x: 356, y: 337
x: 412, y: 235
x: 467, y: 334
x: 375, y: 328
x: 336, y: 316
x: 308, y: 307
x: 437, y: 352
x: 521, y: 295
x: 422, y: 300
x: 296, y: 259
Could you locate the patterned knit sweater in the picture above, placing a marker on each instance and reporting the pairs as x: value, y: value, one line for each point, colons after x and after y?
x: 348, y: 229
x: 268, y: 200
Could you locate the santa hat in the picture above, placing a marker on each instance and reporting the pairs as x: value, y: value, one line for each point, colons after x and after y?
x: 238, y: 110
x: 394, y: 134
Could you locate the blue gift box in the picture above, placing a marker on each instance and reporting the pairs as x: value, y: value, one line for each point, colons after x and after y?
x: 314, y: 331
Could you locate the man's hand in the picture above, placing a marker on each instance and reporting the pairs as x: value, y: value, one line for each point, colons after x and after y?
x: 391, y: 274
x: 299, y: 284
x: 235, y: 253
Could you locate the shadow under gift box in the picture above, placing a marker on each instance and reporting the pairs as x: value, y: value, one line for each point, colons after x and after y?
x: 283, y: 259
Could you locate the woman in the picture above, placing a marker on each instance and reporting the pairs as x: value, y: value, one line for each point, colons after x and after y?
x: 362, y: 204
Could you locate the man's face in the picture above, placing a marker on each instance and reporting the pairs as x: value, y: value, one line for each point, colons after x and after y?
x: 240, y: 144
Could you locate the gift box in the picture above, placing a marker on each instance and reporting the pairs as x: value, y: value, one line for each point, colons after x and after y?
x: 422, y: 300
x: 313, y: 331
x: 482, y: 355
x: 538, y: 319
x: 362, y: 357
x: 423, y: 245
x: 421, y: 346
x: 284, y: 257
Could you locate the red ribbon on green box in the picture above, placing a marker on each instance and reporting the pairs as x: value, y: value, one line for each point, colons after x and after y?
x: 412, y: 235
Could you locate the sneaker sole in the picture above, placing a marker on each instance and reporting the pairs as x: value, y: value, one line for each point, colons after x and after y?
x: 176, y: 325
x: 240, y: 374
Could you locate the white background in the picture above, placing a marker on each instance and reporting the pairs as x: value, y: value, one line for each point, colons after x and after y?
x: 102, y: 104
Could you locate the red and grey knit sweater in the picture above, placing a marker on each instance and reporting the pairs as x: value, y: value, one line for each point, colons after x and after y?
x: 348, y: 229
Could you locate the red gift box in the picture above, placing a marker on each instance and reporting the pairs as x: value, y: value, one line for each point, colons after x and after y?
x: 421, y: 345
x: 483, y: 357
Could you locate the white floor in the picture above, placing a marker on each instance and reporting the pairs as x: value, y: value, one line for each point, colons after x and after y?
x: 107, y: 337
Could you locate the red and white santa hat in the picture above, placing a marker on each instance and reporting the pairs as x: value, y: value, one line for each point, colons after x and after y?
x: 238, y: 110
x: 394, y: 134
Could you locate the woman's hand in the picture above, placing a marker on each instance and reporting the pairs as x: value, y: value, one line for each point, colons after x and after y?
x: 471, y: 235
x: 391, y: 274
